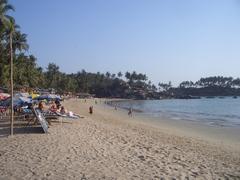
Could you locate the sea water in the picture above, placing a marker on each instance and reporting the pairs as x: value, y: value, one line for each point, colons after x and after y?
x: 215, y: 111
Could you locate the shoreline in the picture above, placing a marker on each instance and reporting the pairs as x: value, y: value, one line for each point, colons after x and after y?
x: 110, y: 145
x: 223, y: 135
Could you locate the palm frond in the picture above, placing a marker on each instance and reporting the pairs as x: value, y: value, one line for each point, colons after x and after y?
x: 7, y: 8
x: 2, y: 2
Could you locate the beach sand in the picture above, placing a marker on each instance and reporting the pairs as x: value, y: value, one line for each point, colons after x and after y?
x: 110, y: 145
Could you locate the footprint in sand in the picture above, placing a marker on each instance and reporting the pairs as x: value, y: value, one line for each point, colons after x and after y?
x: 141, y: 157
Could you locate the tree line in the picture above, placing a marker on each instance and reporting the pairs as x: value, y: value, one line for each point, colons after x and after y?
x: 210, y: 86
x: 27, y: 73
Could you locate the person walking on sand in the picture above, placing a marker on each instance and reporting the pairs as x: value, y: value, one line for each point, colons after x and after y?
x: 130, y: 111
x: 91, y: 110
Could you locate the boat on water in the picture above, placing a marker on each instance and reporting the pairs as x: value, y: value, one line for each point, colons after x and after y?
x: 235, y: 97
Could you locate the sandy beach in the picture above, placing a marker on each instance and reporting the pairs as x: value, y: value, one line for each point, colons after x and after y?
x: 110, y: 145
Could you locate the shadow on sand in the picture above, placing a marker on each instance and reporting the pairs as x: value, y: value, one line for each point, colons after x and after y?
x: 20, y: 127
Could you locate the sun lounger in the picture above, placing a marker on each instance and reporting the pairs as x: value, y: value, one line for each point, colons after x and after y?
x: 40, y: 117
x: 3, y: 109
x: 69, y: 115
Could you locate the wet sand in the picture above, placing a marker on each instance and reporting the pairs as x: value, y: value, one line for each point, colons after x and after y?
x: 110, y: 145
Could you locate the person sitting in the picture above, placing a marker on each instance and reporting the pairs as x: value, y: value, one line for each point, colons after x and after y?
x: 62, y: 110
x: 53, y: 107
x: 41, y: 106
x: 59, y: 106
x: 29, y: 106
x: 66, y: 113
x: 57, y: 102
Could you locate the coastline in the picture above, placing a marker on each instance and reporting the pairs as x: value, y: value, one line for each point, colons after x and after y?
x: 110, y: 145
x: 223, y: 135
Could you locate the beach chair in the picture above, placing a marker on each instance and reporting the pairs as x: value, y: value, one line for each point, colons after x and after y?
x: 49, y: 115
x: 3, y: 110
x: 29, y: 115
x: 41, y: 119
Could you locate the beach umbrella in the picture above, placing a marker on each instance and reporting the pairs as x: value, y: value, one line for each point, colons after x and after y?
x: 54, y: 96
x: 22, y: 95
x: 25, y: 100
x: 34, y: 96
x: 48, y: 97
x: 17, y: 101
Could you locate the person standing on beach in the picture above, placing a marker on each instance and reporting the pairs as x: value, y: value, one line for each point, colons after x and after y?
x: 91, y: 110
x: 130, y: 111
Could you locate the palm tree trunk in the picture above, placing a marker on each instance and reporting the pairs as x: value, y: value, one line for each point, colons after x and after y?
x: 11, y: 80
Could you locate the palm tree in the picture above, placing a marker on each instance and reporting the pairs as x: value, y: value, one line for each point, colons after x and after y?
x: 52, y: 75
x: 108, y: 74
x: 4, y: 18
x: 19, y: 41
x: 12, y: 29
x: 119, y: 74
x: 113, y: 76
x: 128, y: 75
x: 7, y: 23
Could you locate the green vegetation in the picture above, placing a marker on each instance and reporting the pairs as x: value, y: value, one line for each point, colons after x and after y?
x: 129, y: 85
x: 210, y: 86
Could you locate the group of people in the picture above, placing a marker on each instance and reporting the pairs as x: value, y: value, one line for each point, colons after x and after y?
x: 55, y: 106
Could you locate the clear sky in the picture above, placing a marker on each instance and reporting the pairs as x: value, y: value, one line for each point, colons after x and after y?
x: 169, y: 40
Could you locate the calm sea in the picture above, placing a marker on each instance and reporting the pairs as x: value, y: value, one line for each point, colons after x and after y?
x: 216, y: 112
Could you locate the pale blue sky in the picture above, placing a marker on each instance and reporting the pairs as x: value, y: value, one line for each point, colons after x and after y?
x: 169, y: 40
